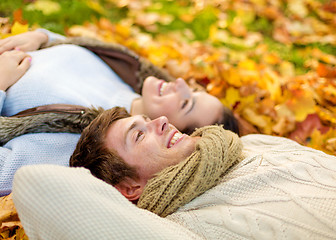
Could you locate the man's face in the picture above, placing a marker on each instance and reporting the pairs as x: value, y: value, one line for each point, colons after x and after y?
x: 183, y: 107
x: 149, y: 145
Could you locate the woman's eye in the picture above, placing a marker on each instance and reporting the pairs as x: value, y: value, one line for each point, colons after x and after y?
x: 185, y: 103
x: 139, y: 134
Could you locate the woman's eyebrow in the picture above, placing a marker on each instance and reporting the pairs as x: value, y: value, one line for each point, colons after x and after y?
x: 192, y: 105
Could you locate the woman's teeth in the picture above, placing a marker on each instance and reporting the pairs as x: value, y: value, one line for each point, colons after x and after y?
x: 176, y: 136
x: 163, y: 86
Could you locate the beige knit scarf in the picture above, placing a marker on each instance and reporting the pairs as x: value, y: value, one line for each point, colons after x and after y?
x: 216, y: 151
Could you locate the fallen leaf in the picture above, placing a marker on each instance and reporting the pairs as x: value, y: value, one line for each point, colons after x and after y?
x: 305, y: 129
x: 46, y: 6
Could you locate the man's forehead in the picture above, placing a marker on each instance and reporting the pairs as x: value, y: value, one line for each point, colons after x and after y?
x: 116, y: 130
x: 123, y: 124
x: 119, y: 130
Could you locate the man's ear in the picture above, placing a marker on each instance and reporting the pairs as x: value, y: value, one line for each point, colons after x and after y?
x: 130, y: 188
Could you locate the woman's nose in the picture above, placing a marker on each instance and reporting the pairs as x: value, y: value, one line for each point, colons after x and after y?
x: 182, y: 88
x: 159, y: 125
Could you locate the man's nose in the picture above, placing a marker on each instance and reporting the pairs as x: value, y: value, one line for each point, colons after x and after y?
x: 182, y: 88
x: 159, y: 125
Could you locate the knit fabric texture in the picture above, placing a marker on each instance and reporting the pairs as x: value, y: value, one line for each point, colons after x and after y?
x: 63, y: 203
x: 216, y: 151
x: 12, y: 127
x: 281, y: 190
x: 144, y: 67
x: 64, y: 74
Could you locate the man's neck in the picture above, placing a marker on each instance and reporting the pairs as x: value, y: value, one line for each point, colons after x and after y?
x: 137, y: 107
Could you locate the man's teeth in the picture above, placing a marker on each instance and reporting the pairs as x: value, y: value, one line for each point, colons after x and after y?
x: 163, y: 86
x: 176, y: 136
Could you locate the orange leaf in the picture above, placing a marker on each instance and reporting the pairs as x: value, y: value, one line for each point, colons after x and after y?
x: 8, y: 211
x: 326, y: 71
x: 17, y: 15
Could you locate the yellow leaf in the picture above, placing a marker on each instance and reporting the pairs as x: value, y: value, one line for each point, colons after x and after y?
x: 324, y: 142
x: 283, y: 126
x: 5, y: 234
x: 298, y: 7
x: 78, y: 30
x: 331, y: 145
x: 21, y: 235
x: 282, y: 110
x: 218, y: 35
x: 270, y: 81
x: 187, y: 17
x: 271, y: 58
x: 232, y: 96
x: 287, y: 69
x: 96, y: 6
x: 19, y: 28
x: 247, y: 101
x: 261, y: 121
x: 124, y: 31
x: 327, y: 114
x: 247, y: 65
x: 301, y: 105
x: 232, y: 77
x: 46, y: 6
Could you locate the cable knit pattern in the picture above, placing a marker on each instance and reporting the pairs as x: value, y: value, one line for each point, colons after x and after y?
x: 62, y: 203
x: 280, y: 191
x: 216, y: 151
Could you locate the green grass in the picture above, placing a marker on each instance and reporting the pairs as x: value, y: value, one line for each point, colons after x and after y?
x: 78, y: 12
x: 70, y: 13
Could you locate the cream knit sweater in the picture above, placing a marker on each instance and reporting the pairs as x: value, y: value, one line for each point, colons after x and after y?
x: 281, y: 190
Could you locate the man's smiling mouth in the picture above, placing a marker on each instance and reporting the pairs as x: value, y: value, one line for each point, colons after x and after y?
x: 174, y: 139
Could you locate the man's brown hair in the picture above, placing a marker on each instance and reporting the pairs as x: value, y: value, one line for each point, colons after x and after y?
x: 91, y: 151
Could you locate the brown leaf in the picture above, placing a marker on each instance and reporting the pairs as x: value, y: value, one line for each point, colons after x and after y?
x: 305, y: 129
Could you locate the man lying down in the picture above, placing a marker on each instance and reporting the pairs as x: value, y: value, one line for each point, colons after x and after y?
x: 210, y: 185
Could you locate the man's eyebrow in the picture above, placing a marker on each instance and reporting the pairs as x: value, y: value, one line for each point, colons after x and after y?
x: 192, y: 105
x: 133, y: 125
x: 145, y: 117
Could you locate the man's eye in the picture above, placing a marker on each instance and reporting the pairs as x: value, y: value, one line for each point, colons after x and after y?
x: 185, y: 103
x: 139, y: 134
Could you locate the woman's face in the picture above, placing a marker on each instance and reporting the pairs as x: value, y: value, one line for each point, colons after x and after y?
x: 185, y: 108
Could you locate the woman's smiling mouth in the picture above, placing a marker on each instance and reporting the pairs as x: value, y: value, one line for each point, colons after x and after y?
x: 162, y: 87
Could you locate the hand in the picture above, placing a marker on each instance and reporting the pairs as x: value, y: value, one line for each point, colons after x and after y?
x: 28, y: 41
x: 13, y: 64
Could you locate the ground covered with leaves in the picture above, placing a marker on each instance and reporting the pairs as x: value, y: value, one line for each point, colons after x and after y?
x: 271, y: 61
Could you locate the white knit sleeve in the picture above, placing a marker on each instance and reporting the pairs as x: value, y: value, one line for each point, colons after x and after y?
x: 51, y: 35
x: 56, y: 202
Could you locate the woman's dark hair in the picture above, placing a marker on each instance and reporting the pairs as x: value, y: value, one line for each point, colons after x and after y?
x: 228, y: 121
